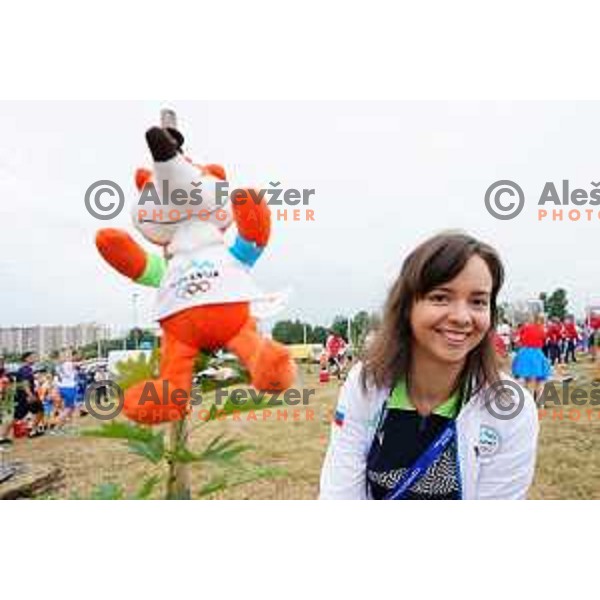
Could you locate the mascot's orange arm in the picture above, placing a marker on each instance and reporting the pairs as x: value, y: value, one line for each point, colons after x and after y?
x: 126, y: 256
x: 253, y: 220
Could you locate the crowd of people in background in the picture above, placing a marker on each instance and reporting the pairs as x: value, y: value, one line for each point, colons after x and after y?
x: 534, y: 351
x: 541, y: 348
x: 45, y: 397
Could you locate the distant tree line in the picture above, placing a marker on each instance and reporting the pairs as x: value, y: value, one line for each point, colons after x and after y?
x: 297, y: 332
x: 556, y: 304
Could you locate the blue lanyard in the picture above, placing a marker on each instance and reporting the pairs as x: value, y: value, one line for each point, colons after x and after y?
x: 420, y: 466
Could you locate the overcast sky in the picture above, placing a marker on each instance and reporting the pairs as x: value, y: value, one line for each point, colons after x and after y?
x: 386, y: 175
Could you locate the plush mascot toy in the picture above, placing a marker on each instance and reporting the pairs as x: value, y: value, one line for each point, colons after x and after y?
x: 205, y: 290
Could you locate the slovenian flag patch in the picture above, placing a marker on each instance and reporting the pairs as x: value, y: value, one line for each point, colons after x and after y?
x: 339, y: 417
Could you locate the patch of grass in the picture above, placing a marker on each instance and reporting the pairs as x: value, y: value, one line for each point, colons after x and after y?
x: 568, y: 463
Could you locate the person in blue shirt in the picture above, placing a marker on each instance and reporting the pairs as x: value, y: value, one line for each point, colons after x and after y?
x: 26, y: 400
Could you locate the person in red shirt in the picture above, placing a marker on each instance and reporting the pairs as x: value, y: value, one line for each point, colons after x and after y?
x: 530, y: 365
x: 571, y: 338
x: 4, y: 385
x: 499, y: 345
x: 532, y: 335
x: 594, y: 343
x: 554, y: 340
x: 335, y: 347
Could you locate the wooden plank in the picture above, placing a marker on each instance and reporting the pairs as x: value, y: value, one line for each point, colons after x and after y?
x: 30, y: 481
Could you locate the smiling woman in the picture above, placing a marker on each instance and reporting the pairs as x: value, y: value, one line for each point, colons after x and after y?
x: 414, y: 412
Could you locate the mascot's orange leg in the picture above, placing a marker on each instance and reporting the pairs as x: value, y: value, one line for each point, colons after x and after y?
x: 270, y: 364
x: 165, y: 398
x: 205, y: 328
x: 184, y: 335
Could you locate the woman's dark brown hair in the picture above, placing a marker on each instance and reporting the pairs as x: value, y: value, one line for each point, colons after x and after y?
x: 433, y: 263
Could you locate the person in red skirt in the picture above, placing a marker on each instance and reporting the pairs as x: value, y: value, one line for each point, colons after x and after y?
x: 530, y: 365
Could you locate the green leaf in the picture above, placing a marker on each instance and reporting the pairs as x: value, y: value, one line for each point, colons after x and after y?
x: 152, y: 450
x: 213, y: 486
x: 223, y: 450
x: 107, y: 491
x: 183, y: 455
x: 219, y: 450
x: 147, y: 487
x: 255, y: 473
x: 142, y: 440
x: 124, y: 431
x: 214, y: 442
x: 221, y: 482
x: 137, y: 369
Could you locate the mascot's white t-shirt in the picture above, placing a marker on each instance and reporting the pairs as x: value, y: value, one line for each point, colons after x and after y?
x: 202, y: 271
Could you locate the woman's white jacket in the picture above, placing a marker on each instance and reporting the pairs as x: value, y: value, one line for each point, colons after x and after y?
x: 496, y: 453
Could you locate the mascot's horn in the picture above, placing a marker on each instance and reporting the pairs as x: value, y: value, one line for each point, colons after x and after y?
x: 168, y: 121
x: 161, y: 144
